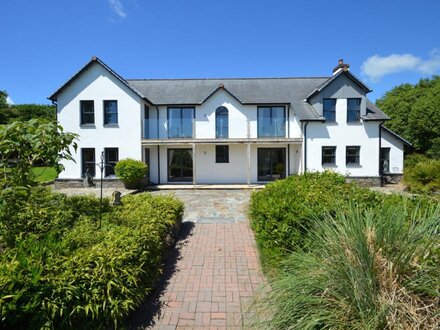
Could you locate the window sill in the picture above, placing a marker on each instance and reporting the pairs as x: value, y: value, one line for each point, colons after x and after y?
x: 354, y: 122
x: 329, y: 165
x: 353, y: 165
x: 111, y: 125
x: 87, y: 126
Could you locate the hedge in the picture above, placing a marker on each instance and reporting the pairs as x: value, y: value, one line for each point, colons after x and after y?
x: 87, y: 277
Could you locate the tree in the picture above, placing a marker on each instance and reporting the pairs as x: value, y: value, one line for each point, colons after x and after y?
x: 35, y: 142
x: 415, y: 114
x: 3, y: 99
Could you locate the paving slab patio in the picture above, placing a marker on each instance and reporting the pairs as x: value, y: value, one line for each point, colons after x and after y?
x: 213, y: 272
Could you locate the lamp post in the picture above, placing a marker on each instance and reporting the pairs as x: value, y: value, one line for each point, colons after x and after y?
x: 101, y: 166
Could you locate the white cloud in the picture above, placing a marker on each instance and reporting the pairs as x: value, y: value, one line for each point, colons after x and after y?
x: 117, y: 8
x: 9, y: 100
x: 376, y: 67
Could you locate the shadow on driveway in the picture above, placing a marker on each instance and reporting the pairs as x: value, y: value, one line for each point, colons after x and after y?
x: 144, y: 316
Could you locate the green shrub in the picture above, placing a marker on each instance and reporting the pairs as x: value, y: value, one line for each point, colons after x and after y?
x: 88, y: 277
x: 131, y: 171
x: 365, y: 269
x: 282, y: 212
x: 424, y: 176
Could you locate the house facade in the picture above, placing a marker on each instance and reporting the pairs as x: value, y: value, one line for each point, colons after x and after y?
x: 226, y: 131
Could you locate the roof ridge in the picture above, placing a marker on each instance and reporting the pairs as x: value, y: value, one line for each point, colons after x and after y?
x: 245, y: 78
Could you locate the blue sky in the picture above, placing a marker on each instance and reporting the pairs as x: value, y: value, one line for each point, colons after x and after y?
x: 386, y: 42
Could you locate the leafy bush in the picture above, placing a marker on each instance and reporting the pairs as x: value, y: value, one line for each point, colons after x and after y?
x: 86, y: 277
x: 131, y: 171
x: 423, y: 176
x: 282, y: 212
x: 365, y: 269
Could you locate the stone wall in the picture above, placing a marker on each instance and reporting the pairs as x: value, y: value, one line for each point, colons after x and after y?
x: 79, y: 183
x: 365, y: 181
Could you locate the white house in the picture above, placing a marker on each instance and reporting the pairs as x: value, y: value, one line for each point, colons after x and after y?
x: 226, y: 131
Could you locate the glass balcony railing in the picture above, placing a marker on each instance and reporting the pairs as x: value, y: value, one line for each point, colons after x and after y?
x: 235, y: 128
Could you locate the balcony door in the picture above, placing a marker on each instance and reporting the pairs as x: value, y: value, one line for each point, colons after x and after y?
x: 271, y: 164
x: 180, y: 122
x: 271, y: 122
x: 180, y: 165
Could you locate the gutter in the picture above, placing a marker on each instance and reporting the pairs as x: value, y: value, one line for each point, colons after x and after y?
x: 380, y: 148
x: 305, y: 146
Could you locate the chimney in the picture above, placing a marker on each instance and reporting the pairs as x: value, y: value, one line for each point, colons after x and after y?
x: 341, y: 67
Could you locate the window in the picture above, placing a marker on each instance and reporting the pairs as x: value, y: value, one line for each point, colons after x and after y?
x: 385, y: 160
x: 110, y: 112
x: 352, y: 155
x: 271, y: 122
x: 88, y: 161
x: 222, y: 154
x: 146, y: 122
x: 271, y: 164
x: 329, y: 110
x: 329, y: 156
x: 180, y: 122
x: 87, y: 112
x: 221, y: 123
x: 111, y: 156
x: 353, y: 110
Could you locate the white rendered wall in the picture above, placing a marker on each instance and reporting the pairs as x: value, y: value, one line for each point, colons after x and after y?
x: 342, y: 134
x: 396, y: 151
x: 98, y: 84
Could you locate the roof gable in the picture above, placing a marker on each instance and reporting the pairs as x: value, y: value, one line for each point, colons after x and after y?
x: 92, y: 62
x: 397, y: 136
x: 221, y: 87
x: 348, y: 74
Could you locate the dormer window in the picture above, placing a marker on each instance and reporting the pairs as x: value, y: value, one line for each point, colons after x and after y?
x: 329, y: 110
x: 353, y: 110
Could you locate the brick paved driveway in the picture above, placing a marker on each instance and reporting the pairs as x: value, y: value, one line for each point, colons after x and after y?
x: 214, y: 271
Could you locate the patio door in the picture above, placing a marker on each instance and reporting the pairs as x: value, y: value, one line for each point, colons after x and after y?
x: 180, y: 165
x: 271, y: 164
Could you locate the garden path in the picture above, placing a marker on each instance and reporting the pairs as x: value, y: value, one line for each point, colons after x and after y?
x: 214, y: 271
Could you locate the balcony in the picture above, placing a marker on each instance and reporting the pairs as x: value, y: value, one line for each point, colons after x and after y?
x: 237, y: 130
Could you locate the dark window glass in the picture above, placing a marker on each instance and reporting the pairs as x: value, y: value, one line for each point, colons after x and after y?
x: 87, y: 112
x: 221, y: 123
x: 180, y: 165
x: 88, y: 161
x: 110, y: 112
x: 222, y: 154
x: 271, y: 122
x: 353, y: 110
x: 111, y: 158
x: 329, y: 110
x: 352, y: 155
x: 146, y: 122
x: 271, y: 164
x: 328, y: 155
x: 180, y: 122
x: 385, y: 160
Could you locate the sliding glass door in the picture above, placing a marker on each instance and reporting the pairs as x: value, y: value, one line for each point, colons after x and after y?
x: 180, y: 165
x: 271, y: 164
x: 180, y: 122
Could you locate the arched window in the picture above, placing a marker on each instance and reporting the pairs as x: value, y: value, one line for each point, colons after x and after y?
x: 221, y: 123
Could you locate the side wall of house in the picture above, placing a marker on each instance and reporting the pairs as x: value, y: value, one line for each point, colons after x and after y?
x: 98, y: 84
x: 396, y: 151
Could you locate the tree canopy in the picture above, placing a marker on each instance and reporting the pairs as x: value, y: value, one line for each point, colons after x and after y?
x: 415, y: 114
x: 3, y: 99
x: 26, y: 144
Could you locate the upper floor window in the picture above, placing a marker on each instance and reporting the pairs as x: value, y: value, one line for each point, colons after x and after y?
x: 353, y: 110
x: 221, y: 123
x: 271, y: 122
x: 352, y: 155
x: 328, y: 156
x: 110, y: 112
x: 329, y: 110
x: 180, y: 122
x: 111, y: 156
x: 87, y: 112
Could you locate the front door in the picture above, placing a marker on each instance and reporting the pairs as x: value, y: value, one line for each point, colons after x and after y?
x: 271, y: 164
x: 180, y: 165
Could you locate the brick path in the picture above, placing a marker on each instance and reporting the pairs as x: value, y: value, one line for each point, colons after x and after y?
x: 209, y: 284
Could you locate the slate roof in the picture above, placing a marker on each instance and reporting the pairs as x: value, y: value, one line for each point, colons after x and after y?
x: 246, y: 90
x: 293, y: 91
x: 374, y: 113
